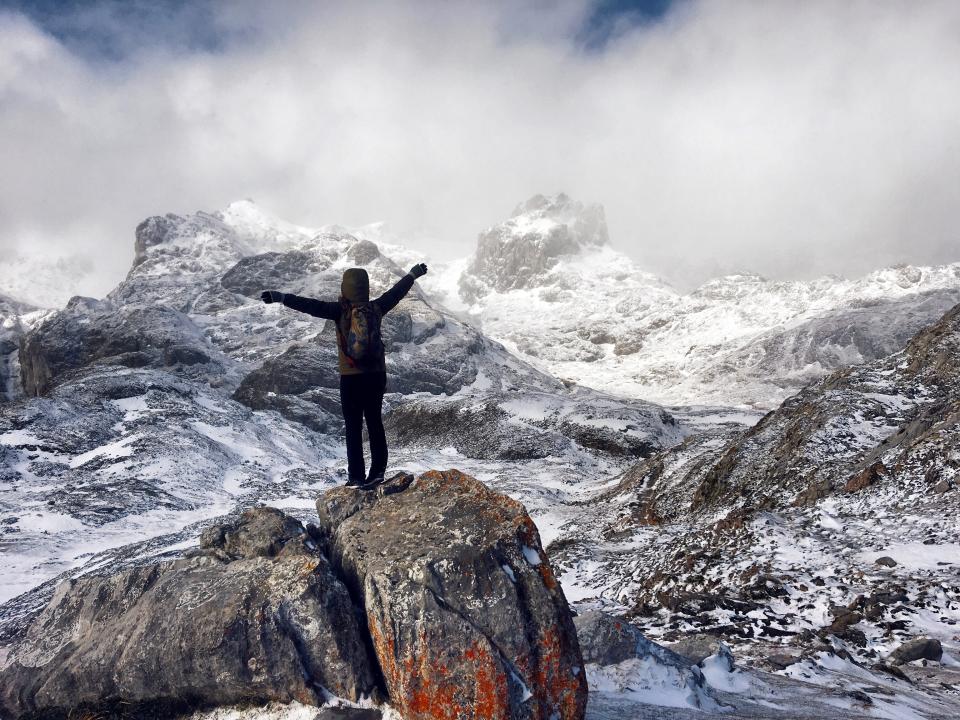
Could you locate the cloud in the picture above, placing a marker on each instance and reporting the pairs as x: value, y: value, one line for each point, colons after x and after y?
x: 789, y: 138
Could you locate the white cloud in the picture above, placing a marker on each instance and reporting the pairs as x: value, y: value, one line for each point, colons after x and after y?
x: 791, y: 138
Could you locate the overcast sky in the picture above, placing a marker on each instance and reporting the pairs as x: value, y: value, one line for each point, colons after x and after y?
x: 789, y: 138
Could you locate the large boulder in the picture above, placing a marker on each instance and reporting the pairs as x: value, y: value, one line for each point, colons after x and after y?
x: 920, y: 648
x: 466, y: 616
x: 619, y: 658
x: 255, y: 615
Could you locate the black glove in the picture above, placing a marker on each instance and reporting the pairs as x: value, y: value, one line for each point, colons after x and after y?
x: 271, y: 296
x: 418, y: 270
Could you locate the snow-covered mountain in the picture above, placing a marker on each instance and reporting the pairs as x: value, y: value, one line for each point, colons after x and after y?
x: 181, y: 395
x: 547, y: 284
x: 130, y: 423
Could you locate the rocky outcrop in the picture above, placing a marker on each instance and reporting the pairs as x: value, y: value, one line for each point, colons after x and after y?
x: 89, y: 331
x: 516, y: 252
x: 433, y: 590
x: 11, y: 330
x: 891, y: 421
x: 302, y: 384
x: 917, y: 649
x: 153, y: 231
x: 255, y: 615
x: 273, y: 270
x: 617, y: 654
x: 466, y: 615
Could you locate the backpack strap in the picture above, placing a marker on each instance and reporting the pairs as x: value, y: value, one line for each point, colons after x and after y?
x: 344, y: 320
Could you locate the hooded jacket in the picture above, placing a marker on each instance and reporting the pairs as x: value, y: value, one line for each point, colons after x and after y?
x: 354, y: 288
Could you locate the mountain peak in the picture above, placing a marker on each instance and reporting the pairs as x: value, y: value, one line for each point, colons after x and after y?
x: 523, y: 248
x: 541, y: 213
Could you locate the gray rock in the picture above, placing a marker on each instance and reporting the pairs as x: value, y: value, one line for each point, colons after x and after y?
x: 270, y: 271
x: 363, y: 252
x: 697, y: 647
x: 153, y: 231
x: 510, y: 257
x: 275, y: 624
x: 941, y: 486
x: 920, y: 648
x: 606, y: 640
x: 258, y: 532
x: 781, y: 660
x: 886, y: 561
x: 302, y: 384
x: 461, y: 603
x: 89, y: 331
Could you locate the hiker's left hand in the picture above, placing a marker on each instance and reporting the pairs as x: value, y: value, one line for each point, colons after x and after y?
x: 418, y: 270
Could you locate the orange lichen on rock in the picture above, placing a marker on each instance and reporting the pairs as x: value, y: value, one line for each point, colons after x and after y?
x: 466, y: 621
x: 556, y: 686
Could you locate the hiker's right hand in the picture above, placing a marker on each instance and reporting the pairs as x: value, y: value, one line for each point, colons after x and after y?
x: 271, y: 296
x: 418, y: 270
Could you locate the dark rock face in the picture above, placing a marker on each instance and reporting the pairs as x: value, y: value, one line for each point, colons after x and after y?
x: 607, y: 640
x: 272, y: 270
x: 11, y: 330
x: 256, y: 616
x: 89, y: 331
x: 302, y: 384
x: 363, y: 252
x: 153, y: 231
x: 466, y: 616
x: 917, y: 649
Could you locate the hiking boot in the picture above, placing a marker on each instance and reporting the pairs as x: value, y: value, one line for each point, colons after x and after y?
x: 356, y: 482
x: 374, y: 479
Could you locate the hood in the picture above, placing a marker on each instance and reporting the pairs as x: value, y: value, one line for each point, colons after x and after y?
x: 355, y: 285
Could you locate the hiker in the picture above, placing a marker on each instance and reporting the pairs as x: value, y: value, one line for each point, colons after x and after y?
x: 363, y: 370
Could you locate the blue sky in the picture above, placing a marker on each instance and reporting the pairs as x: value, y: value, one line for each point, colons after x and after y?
x: 75, y: 22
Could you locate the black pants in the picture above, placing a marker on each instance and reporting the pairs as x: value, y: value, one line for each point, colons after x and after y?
x: 361, y: 396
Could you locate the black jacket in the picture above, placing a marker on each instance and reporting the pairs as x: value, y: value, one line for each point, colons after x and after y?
x: 354, y: 289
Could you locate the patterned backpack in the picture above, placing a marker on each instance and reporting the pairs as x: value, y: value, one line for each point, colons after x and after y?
x: 361, y: 332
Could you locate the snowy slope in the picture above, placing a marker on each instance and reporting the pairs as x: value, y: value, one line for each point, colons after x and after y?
x: 586, y: 312
x: 769, y: 537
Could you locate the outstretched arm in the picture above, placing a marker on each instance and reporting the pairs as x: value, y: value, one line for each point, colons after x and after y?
x: 391, y: 297
x: 317, y: 308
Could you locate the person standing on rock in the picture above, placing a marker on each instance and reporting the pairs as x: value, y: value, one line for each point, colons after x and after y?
x: 363, y: 370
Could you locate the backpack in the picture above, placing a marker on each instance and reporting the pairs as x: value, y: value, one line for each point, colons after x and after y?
x: 360, y: 332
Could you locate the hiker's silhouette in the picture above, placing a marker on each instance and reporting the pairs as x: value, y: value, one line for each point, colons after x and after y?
x: 363, y: 370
